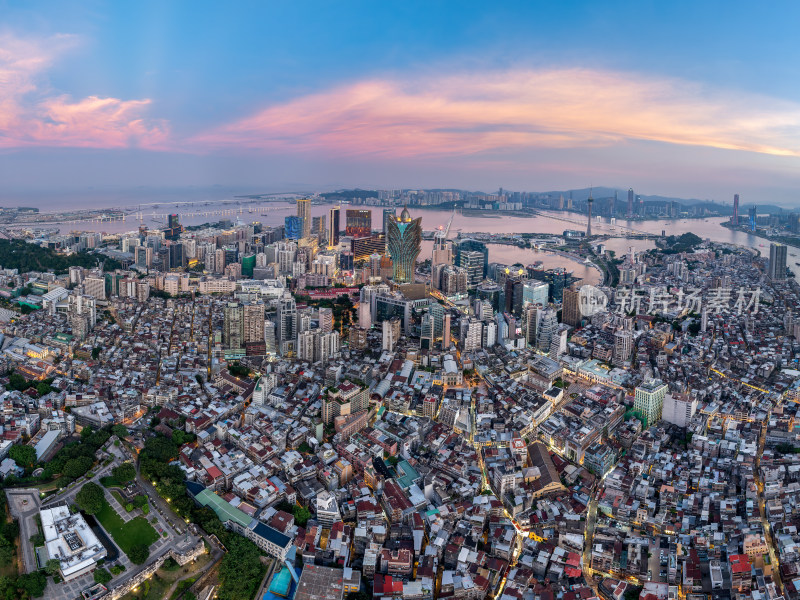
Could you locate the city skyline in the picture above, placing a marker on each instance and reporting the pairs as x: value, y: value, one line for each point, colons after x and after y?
x: 106, y: 98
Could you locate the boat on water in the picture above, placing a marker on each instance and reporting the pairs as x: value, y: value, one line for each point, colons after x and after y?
x: 761, y: 245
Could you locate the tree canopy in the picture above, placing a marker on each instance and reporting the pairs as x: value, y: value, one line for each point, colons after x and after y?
x: 90, y: 498
x: 124, y: 473
x: 102, y: 576
x: 22, y: 255
x: 23, y: 455
x: 139, y: 554
x: 242, y: 572
x: 53, y: 566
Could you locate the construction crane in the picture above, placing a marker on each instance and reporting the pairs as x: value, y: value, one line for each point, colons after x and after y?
x: 446, y: 233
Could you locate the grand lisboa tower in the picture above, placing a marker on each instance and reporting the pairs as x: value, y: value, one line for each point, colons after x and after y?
x: 404, y: 237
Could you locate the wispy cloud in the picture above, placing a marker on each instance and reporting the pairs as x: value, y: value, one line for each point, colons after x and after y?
x: 479, y: 112
x: 32, y: 114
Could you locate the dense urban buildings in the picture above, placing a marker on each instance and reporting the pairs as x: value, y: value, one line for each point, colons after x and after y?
x: 370, y: 418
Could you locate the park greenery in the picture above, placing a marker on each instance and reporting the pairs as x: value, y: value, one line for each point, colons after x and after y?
x: 676, y: 244
x: 23, y: 455
x: 71, y: 462
x: 102, y: 575
x: 90, y: 498
x: 22, y: 255
x: 239, y: 370
x: 133, y: 538
x: 124, y: 473
x: 22, y: 587
x: 9, y: 532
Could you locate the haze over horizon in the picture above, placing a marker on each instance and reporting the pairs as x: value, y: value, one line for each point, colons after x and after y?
x: 679, y: 100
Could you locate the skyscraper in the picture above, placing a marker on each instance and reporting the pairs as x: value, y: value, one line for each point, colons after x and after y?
x: 777, y: 261
x: 174, y: 227
x: 253, y: 322
x: 545, y: 328
x: 318, y: 226
x: 530, y: 323
x: 442, y: 250
x: 388, y: 215
x: 177, y: 259
x: 753, y: 215
x: 630, y: 203
x: 570, y: 313
x: 294, y: 227
x: 589, y: 202
x: 326, y: 320
x: 623, y: 346
x: 473, y: 263
x: 649, y: 400
x: 535, y: 292
x: 358, y: 223
x: 232, y: 333
x: 514, y: 288
x: 304, y: 213
x: 735, y: 218
x: 333, y: 232
x: 287, y: 324
x: 403, y: 242
x: 472, y: 246
x: 391, y: 333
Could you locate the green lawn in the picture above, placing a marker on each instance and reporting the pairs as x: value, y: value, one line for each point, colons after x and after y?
x: 126, y: 535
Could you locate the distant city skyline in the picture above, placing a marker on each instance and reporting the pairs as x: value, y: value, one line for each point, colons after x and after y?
x: 527, y: 96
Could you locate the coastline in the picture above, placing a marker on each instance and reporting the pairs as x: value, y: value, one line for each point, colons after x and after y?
x: 794, y: 243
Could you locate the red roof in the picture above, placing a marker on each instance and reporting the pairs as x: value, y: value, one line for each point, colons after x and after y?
x: 740, y: 563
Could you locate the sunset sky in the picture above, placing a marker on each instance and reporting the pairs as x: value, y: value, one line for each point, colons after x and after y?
x: 697, y: 100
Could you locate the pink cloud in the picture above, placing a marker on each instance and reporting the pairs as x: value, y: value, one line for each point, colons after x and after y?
x: 478, y: 112
x: 33, y: 115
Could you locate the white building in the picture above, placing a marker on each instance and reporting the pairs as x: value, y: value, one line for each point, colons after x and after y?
x: 264, y: 387
x: 623, y: 346
x: 679, y: 409
x: 473, y: 335
x: 70, y: 540
x: 327, y: 509
x: 391, y: 333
